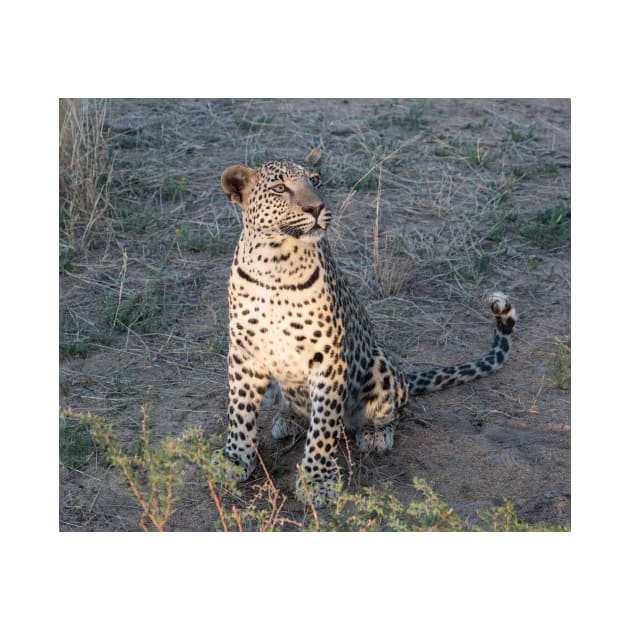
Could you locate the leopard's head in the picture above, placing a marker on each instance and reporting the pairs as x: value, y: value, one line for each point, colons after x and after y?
x: 279, y: 200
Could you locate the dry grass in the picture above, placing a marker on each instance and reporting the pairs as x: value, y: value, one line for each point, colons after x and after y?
x: 85, y: 169
x: 431, y: 201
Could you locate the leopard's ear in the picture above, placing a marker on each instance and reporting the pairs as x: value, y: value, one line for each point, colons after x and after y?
x: 315, y: 157
x: 236, y: 181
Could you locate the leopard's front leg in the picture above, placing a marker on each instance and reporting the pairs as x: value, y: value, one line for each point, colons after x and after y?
x: 318, y: 476
x: 247, y: 390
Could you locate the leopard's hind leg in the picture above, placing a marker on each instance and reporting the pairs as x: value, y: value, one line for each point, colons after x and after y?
x: 384, y: 392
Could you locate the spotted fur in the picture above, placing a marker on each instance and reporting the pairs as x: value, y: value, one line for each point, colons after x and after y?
x: 296, y: 323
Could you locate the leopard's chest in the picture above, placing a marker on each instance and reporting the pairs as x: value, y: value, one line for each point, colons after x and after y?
x: 286, y: 326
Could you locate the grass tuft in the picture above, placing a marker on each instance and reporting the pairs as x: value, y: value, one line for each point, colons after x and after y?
x: 76, y: 445
x: 505, y: 519
x: 194, y: 242
x: 174, y: 188
x: 85, y: 170
x: 72, y: 348
x: 147, y: 310
x: 550, y: 228
x: 559, y: 368
x: 413, y: 119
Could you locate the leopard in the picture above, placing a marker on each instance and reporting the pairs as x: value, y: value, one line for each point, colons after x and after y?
x: 297, y: 327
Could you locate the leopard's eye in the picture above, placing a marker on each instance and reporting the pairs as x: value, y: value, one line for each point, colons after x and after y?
x: 315, y: 180
x: 279, y: 188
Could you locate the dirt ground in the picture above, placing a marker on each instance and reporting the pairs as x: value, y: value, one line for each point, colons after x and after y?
x: 435, y: 202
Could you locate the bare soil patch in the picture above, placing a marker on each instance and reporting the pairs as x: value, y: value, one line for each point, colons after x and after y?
x: 472, y: 196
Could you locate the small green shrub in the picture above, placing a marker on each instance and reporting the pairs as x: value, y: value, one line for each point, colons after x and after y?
x: 505, y: 223
x: 174, y: 188
x: 469, y: 150
x: 547, y: 167
x: 136, y: 221
x: 559, y: 368
x: 70, y: 348
x: 257, y: 123
x: 357, y: 178
x: 147, y: 310
x: 516, y: 134
x: 549, y: 228
x: 151, y: 476
x: 442, y: 151
x: 196, y: 243
x: 478, y: 263
x: 476, y: 154
x: 76, y: 445
x: 505, y: 519
x: 380, y: 510
x: 66, y: 256
x: 518, y: 173
x: 152, y: 472
x: 413, y: 119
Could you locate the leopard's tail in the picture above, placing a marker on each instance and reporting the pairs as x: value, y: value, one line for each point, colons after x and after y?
x: 439, y: 378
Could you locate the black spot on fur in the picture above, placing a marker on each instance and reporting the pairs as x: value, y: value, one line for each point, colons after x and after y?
x: 318, y: 357
x: 468, y: 372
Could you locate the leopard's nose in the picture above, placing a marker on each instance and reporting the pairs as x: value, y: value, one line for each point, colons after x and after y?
x: 315, y: 210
